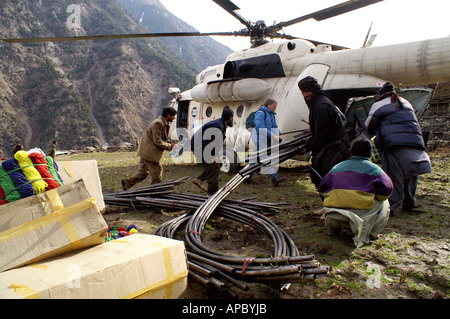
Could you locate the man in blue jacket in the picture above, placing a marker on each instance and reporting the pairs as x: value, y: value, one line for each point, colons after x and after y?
x: 206, y: 144
x: 399, y: 139
x: 265, y: 134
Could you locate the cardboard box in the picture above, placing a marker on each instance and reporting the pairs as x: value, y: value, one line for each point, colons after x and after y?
x: 71, y: 171
x: 136, y: 266
x: 48, y: 225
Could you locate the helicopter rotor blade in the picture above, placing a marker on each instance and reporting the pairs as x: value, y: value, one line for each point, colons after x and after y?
x: 367, y: 36
x: 327, y: 13
x: 230, y: 7
x: 122, y: 36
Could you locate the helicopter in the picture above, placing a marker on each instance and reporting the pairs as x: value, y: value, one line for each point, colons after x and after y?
x: 350, y: 77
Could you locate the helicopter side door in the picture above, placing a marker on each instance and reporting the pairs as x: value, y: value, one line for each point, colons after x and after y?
x: 294, y: 113
x: 188, y: 119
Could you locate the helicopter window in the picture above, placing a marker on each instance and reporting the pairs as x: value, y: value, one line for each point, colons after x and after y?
x: 209, y: 111
x: 267, y: 66
x: 240, y: 110
x: 182, y: 116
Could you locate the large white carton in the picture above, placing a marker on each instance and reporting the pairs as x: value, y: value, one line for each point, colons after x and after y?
x: 71, y: 171
x: 135, y: 266
x: 49, y: 224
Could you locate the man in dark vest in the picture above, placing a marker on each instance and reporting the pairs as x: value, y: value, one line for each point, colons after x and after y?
x: 206, y: 145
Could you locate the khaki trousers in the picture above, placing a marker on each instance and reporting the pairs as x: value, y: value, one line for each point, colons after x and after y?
x: 145, y: 168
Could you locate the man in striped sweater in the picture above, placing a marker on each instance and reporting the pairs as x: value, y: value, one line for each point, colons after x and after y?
x: 355, y: 195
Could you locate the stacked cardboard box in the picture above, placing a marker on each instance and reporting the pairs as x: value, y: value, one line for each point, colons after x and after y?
x: 49, y: 224
x: 136, y: 266
x: 71, y: 171
x: 52, y: 245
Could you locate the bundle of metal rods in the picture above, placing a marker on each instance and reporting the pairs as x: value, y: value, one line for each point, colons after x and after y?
x: 211, y: 267
x: 286, y: 265
x: 128, y: 197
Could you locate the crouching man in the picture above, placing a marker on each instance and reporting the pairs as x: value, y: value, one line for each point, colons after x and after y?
x: 355, y: 195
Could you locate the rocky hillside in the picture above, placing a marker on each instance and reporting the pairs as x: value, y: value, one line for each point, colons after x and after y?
x: 198, y: 52
x: 87, y: 93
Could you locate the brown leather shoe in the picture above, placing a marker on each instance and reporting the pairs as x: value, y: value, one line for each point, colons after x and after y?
x: 278, y: 180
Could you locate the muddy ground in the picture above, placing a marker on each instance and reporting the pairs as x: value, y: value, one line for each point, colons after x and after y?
x: 409, y: 260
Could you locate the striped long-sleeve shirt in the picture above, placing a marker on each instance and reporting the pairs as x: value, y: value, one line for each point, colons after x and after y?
x: 355, y: 184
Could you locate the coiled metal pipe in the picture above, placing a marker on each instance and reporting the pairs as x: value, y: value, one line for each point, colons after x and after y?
x: 214, y: 268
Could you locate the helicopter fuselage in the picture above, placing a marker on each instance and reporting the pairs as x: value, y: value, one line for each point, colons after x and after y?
x: 248, y: 78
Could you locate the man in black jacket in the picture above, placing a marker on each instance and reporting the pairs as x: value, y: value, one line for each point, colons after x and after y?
x: 206, y: 144
x: 329, y: 144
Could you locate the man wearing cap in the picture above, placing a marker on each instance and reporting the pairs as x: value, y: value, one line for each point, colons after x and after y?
x: 399, y: 139
x: 329, y: 144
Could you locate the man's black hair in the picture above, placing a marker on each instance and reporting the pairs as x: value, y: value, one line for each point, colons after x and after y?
x: 361, y: 147
x: 309, y: 83
x: 227, y: 114
x: 168, y: 111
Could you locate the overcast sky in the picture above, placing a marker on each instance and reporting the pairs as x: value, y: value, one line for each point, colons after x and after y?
x: 394, y: 21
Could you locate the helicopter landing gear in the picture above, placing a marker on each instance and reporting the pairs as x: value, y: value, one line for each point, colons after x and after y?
x: 229, y: 162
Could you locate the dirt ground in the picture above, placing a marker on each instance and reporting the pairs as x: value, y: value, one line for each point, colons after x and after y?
x: 410, y: 259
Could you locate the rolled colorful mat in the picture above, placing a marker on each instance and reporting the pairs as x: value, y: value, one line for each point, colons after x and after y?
x: 42, y: 167
x: 30, y: 172
x: 53, y: 169
x: 22, y: 184
x: 3, y: 201
x: 11, y: 193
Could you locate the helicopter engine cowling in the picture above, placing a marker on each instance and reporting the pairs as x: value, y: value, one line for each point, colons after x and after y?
x: 229, y: 91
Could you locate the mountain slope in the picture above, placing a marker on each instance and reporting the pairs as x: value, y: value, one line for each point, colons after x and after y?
x: 87, y: 93
x: 198, y: 52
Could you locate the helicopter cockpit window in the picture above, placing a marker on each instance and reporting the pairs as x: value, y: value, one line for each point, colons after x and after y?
x: 208, y: 111
x: 240, y: 110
